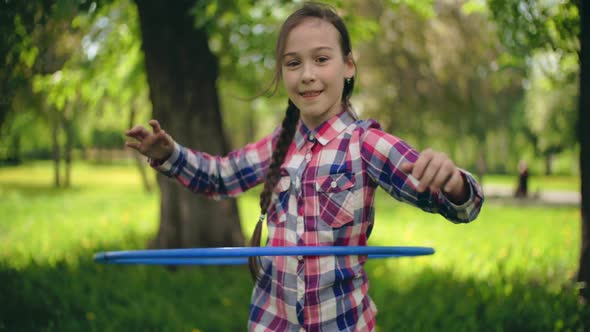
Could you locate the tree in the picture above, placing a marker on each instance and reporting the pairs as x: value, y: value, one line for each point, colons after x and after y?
x: 551, y: 104
x: 446, y: 70
x: 584, y: 138
x: 564, y: 27
x: 182, y: 73
x: 40, y: 40
x: 544, y: 35
x: 115, y: 83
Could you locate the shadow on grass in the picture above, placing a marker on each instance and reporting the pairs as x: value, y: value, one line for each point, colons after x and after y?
x: 31, y: 190
x: 85, y: 296
x: 440, y: 301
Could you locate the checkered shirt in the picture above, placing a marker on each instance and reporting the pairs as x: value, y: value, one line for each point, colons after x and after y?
x: 325, y: 197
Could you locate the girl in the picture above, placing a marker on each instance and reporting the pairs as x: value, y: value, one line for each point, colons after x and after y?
x: 320, y: 170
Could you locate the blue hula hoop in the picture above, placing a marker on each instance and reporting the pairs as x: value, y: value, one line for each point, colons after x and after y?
x: 239, y: 255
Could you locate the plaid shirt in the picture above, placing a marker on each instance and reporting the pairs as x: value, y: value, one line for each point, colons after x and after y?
x: 325, y: 197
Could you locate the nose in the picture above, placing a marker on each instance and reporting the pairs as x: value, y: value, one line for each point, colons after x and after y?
x: 308, y: 74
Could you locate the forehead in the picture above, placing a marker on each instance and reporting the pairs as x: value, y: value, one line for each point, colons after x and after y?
x: 312, y: 33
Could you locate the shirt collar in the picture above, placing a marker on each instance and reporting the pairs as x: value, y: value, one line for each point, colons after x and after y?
x: 325, y: 132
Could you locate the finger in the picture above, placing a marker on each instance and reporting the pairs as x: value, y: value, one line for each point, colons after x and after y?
x: 406, y: 167
x: 155, y: 126
x: 455, y: 182
x: 134, y: 130
x: 138, y: 132
x: 422, y: 163
x: 443, y: 176
x: 428, y: 175
x: 133, y: 145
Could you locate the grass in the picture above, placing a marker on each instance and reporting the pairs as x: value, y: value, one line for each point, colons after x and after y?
x: 511, y: 270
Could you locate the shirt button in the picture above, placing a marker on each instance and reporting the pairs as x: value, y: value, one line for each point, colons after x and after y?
x: 333, y: 184
x: 308, y: 157
x: 311, y: 137
x: 300, y: 258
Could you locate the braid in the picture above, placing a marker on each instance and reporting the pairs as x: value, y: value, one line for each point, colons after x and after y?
x: 272, y: 178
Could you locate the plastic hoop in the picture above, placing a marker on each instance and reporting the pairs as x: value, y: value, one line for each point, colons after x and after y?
x: 238, y: 255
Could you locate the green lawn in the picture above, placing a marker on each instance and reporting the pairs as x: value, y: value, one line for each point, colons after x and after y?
x: 511, y: 270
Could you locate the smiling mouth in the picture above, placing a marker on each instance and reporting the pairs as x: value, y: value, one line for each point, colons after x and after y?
x: 310, y: 94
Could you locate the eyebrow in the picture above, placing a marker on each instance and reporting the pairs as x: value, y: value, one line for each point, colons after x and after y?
x: 314, y: 50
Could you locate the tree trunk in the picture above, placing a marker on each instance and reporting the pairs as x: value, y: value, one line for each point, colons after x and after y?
x: 14, y: 155
x: 549, y: 164
x: 68, y: 154
x: 584, y: 138
x: 182, y: 74
x: 54, y: 118
x: 68, y: 123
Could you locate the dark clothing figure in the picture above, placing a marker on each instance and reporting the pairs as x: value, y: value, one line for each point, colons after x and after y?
x: 523, y: 177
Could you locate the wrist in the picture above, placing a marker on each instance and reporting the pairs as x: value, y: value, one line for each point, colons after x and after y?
x: 161, y: 159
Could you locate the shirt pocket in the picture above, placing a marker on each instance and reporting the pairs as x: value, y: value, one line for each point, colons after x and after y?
x: 280, y: 199
x: 336, y: 198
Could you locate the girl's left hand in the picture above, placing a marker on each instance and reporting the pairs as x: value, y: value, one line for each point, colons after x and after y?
x: 435, y: 171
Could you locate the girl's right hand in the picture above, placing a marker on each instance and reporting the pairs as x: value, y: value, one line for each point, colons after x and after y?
x: 156, y: 146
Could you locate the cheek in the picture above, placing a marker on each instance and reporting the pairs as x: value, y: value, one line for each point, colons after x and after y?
x: 289, y: 80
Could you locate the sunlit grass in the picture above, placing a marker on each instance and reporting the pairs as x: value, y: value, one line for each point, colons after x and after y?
x: 38, y: 221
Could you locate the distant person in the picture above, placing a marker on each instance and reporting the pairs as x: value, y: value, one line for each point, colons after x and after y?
x: 523, y: 178
x: 320, y: 171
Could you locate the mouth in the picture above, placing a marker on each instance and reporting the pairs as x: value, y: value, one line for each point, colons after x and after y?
x: 310, y: 94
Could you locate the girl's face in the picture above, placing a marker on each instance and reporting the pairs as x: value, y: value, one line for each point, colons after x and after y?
x: 314, y: 69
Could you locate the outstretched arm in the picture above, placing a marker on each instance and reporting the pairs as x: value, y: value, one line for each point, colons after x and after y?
x: 428, y: 180
x: 212, y: 176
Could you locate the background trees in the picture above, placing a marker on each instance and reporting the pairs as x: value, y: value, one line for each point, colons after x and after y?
x: 490, y: 84
x: 182, y: 74
x: 550, y: 38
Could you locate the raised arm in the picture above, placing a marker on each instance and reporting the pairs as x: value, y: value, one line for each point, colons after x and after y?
x: 436, y: 184
x: 213, y: 176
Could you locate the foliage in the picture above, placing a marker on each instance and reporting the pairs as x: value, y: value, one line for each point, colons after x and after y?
x: 442, y: 80
x: 479, y: 278
x: 430, y: 71
x: 36, y: 42
x: 551, y: 101
x: 84, y: 71
x: 107, y: 139
x: 544, y: 35
x: 526, y: 25
x: 104, y: 78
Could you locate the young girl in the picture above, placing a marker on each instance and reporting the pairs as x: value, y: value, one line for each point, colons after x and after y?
x: 320, y: 170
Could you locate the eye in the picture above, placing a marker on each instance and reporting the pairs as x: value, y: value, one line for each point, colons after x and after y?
x: 291, y: 63
x: 322, y: 59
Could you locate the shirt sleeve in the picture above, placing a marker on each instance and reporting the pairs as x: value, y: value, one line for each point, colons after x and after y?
x: 220, y: 177
x: 384, y: 153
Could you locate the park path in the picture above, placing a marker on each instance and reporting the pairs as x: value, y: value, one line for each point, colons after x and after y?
x: 546, y: 197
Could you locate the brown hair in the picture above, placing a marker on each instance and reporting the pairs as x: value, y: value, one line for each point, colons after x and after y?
x: 291, y: 119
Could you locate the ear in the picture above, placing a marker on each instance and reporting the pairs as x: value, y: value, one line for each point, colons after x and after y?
x: 350, y: 69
